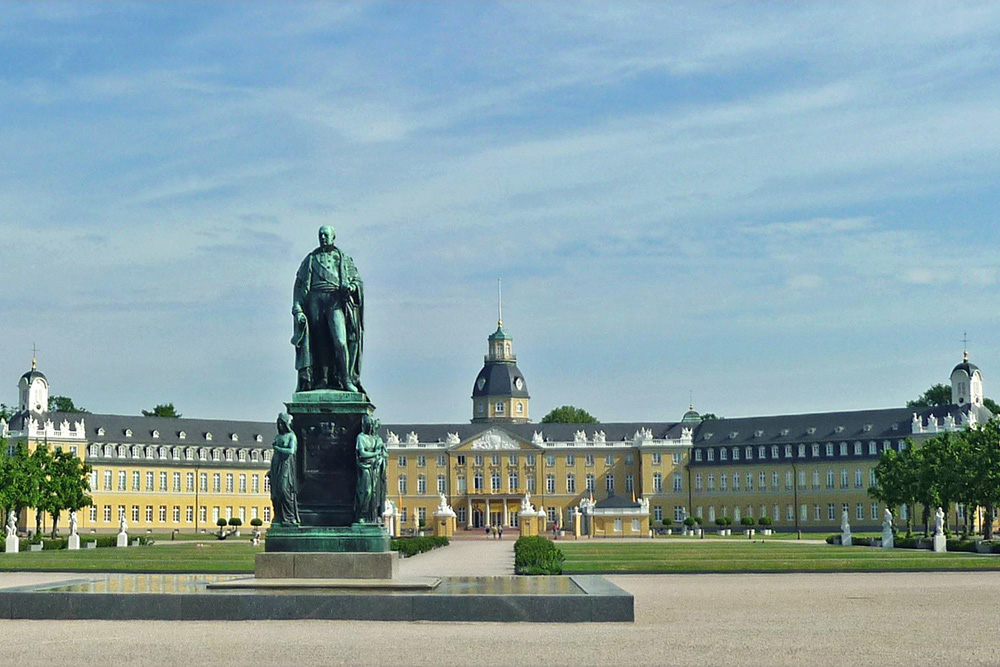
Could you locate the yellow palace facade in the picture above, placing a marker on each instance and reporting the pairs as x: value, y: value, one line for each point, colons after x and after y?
x: 800, y: 471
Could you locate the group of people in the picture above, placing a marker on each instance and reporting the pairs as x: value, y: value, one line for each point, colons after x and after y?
x: 496, y: 532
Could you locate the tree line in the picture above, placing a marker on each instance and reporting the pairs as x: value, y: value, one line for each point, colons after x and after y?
x: 953, y: 468
x: 48, y: 481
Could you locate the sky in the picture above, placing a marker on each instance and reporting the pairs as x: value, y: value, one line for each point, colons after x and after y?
x: 763, y: 208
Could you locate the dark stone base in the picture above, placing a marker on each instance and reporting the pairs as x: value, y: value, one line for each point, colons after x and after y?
x: 291, y: 565
x: 571, y: 599
x: 369, y: 538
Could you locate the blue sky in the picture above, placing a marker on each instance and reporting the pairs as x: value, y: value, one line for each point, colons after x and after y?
x: 769, y: 207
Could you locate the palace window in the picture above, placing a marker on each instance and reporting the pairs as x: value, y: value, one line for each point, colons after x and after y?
x: 843, y: 478
x: 815, y: 450
x: 658, y: 482
x: 658, y: 512
x: 513, y: 483
x: 441, y: 484
x: 589, y: 461
x: 401, y: 483
x: 495, y: 482
x: 495, y: 459
x: 788, y: 480
x: 122, y: 479
x: 550, y: 484
x: 788, y: 451
x: 163, y: 513
x: 710, y: 454
x: 421, y: 461
x: 461, y: 483
x: 736, y: 453
x: 857, y: 478
x: 477, y: 482
x: 177, y: 514
x: 678, y: 482
x: 697, y: 481
x: 609, y: 483
x: 550, y: 460
x: 591, y: 482
x: 629, y: 483
x: 189, y: 479
x: 736, y: 481
x: 177, y: 482
x: 136, y: 480
x: 723, y: 482
x: 243, y: 483
x: 697, y: 455
x: 499, y: 408
x: 570, y: 483
x: 401, y: 461
x: 829, y: 479
x: 477, y: 460
x: 254, y: 483
x: 656, y: 459
x: 460, y: 459
x: 802, y: 480
x: 711, y: 482
x: 609, y: 460
x: 149, y: 514
x: 189, y: 514
x: 421, y: 485
x: 229, y: 482
x: 530, y: 460
x: 530, y: 486
x: 749, y: 479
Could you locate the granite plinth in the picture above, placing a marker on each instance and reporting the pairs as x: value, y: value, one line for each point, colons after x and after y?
x: 939, y: 544
x: 369, y: 538
x: 292, y: 565
x: 564, y: 599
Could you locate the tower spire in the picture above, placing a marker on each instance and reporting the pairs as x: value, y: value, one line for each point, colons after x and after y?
x: 34, y: 357
x: 499, y: 304
x: 965, y: 346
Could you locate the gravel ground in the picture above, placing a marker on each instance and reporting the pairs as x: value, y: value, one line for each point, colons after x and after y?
x: 797, y: 619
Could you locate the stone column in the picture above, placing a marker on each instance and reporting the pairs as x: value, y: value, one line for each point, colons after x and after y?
x: 488, y: 512
x: 505, y: 521
x: 468, y: 515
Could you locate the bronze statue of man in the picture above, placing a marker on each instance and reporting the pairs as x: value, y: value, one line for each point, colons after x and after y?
x: 328, y: 307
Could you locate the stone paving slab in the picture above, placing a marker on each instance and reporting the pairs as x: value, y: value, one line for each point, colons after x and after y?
x: 462, y: 558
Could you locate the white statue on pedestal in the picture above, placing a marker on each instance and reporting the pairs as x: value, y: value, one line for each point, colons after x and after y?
x: 72, y: 523
x: 845, y: 529
x: 122, y: 530
x: 526, y: 504
x: 887, y: 537
x: 939, y: 522
x: 13, y: 544
x: 11, y: 524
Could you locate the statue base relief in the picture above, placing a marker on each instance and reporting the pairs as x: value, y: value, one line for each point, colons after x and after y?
x: 326, y: 423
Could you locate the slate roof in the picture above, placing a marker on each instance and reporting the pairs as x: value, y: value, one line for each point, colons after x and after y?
x: 616, y: 502
x: 499, y: 377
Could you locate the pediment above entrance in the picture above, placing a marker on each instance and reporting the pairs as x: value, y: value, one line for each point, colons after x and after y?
x: 494, y: 440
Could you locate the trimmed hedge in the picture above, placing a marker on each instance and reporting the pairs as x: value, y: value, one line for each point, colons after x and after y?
x: 537, y: 555
x: 62, y: 542
x: 410, y: 546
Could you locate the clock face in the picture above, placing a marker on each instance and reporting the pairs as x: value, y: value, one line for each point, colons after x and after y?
x: 480, y: 383
x: 519, y: 383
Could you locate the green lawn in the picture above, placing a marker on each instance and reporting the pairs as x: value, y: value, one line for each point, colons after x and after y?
x: 693, y: 556
x: 209, y: 555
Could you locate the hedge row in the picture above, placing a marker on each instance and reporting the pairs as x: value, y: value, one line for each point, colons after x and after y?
x: 537, y: 555
x: 920, y: 542
x: 410, y: 546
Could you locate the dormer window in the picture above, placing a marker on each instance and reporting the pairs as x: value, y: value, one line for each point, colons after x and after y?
x: 839, y: 429
x: 100, y: 431
x: 234, y: 437
x: 258, y: 438
x: 208, y: 436
x: 181, y: 435
x: 254, y: 456
x: 867, y: 428
x: 216, y: 455
x: 128, y: 433
x: 241, y: 455
x: 155, y: 434
x: 109, y: 451
x: 229, y: 455
x: 758, y: 434
x: 784, y: 431
x: 811, y: 430
x: 732, y: 436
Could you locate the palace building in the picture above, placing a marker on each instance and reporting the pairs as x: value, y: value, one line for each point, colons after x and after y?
x: 801, y: 471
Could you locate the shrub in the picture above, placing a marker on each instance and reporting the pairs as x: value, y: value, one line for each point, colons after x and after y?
x: 537, y: 555
x: 861, y: 541
x: 221, y: 523
x: 720, y: 521
x: 833, y: 539
x: 764, y: 521
x: 410, y: 546
x: 256, y: 523
x: 698, y: 520
x: 907, y: 543
x: 690, y: 521
x: 666, y: 522
x: 962, y: 545
x: 747, y: 521
x: 236, y: 522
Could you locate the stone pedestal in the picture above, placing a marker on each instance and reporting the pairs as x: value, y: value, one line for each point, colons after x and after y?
x: 13, y: 544
x: 528, y: 525
x: 74, y: 543
x: 444, y: 524
x: 326, y: 424
x: 887, y: 539
x: 123, y: 539
x: 359, y: 537
x: 940, y: 544
x: 845, y: 539
x: 384, y: 565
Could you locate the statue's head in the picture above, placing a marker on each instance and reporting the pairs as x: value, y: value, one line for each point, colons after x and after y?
x: 284, y: 423
x: 326, y: 236
x: 367, y: 424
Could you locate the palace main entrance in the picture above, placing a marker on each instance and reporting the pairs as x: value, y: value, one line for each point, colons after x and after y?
x: 483, y: 511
